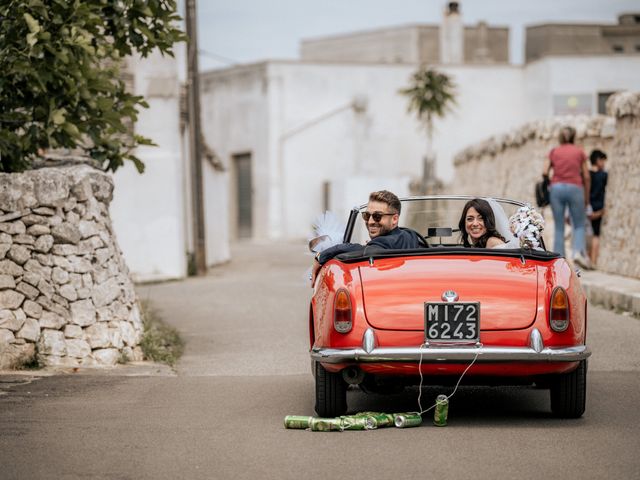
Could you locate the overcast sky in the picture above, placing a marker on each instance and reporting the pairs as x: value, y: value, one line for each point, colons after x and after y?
x: 252, y: 30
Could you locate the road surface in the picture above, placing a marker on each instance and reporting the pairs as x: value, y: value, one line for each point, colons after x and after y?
x: 246, y: 366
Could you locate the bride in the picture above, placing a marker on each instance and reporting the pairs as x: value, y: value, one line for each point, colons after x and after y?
x: 484, y: 224
x: 478, y: 225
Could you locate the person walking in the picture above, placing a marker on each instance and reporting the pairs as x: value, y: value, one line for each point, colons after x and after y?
x: 569, y: 189
x: 598, y: 186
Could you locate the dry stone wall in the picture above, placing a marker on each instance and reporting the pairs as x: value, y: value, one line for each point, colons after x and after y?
x: 509, y: 165
x: 620, y: 237
x: 66, y: 297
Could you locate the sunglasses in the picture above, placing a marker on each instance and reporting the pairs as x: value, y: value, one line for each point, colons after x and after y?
x: 377, y: 216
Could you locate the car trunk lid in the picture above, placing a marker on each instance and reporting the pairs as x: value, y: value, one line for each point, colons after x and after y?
x: 395, y: 290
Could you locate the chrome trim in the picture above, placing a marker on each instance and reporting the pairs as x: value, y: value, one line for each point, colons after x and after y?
x: 453, y: 197
x: 535, y: 340
x: 451, y: 354
x: 369, y: 341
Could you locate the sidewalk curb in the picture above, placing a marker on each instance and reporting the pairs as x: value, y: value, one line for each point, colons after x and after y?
x: 132, y: 369
x: 612, y: 291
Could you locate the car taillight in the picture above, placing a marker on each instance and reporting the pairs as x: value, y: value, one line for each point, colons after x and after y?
x: 559, y: 310
x: 342, y: 312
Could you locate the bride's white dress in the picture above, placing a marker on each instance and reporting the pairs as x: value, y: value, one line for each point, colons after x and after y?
x: 504, y: 229
x: 502, y: 225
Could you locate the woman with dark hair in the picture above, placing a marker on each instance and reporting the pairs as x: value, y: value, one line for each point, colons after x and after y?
x: 478, y: 225
x: 569, y: 189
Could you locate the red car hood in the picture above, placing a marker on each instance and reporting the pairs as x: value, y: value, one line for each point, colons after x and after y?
x: 395, y: 290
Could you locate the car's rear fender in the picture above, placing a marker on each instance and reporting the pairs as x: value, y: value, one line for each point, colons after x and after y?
x: 558, y: 273
x: 334, y: 276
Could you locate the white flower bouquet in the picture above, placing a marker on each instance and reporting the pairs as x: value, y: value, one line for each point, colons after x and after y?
x: 527, y: 225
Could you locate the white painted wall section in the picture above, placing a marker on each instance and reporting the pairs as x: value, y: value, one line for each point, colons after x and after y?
x: 148, y: 209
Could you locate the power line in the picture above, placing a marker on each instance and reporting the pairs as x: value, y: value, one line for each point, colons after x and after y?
x: 215, y: 56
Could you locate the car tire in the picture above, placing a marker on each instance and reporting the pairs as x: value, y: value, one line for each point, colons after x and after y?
x: 331, y: 393
x: 569, y: 393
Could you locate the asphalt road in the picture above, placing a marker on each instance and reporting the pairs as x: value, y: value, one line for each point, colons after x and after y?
x: 219, y: 416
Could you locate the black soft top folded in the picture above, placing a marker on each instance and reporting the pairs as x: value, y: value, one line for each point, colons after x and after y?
x: 366, y: 253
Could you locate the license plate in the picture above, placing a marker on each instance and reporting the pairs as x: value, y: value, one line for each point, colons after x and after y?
x: 452, y: 322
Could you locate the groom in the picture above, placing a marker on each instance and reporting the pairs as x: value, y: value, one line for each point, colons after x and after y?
x: 382, y: 215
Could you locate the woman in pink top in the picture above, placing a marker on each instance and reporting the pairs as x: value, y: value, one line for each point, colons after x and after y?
x: 569, y: 188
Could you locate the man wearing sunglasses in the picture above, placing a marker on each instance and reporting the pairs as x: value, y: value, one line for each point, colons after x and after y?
x: 381, y: 216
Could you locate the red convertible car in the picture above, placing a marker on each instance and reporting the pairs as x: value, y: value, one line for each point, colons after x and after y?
x: 387, y: 319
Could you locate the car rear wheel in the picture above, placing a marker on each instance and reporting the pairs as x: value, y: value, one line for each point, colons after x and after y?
x: 569, y: 393
x: 331, y: 393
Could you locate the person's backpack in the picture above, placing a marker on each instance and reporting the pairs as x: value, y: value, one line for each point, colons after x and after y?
x: 542, y: 192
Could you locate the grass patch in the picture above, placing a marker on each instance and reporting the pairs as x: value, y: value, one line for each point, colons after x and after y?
x: 30, y: 364
x: 160, y: 342
x: 20, y: 357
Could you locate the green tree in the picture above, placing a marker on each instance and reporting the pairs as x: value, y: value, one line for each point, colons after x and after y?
x: 60, y: 82
x: 431, y: 94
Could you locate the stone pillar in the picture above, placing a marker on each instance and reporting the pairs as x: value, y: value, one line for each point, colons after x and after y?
x: 65, y: 291
x: 620, y: 237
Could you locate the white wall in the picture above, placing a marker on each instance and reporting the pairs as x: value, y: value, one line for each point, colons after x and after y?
x: 384, y: 140
x: 577, y: 75
x: 537, y: 91
x: 347, y: 193
x: 296, y: 120
x: 234, y: 122
x: 216, y: 211
x: 148, y: 210
x: 489, y: 99
x: 321, y: 138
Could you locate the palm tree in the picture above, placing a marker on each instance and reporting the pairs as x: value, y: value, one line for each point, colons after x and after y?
x: 431, y: 94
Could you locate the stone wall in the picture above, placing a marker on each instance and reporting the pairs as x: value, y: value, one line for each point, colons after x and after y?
x: 509, y: 165
x: 620, y: 237
x: 65, y: 293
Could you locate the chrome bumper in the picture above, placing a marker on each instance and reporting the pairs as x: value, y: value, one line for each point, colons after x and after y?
x: 370, y: 353
x: 450, y: 354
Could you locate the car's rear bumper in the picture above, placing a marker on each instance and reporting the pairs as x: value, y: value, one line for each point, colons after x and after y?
x: 450, y: 354
x: 370, y: 352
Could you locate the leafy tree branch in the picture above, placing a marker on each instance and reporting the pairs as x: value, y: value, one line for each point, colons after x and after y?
x: 61, y: 85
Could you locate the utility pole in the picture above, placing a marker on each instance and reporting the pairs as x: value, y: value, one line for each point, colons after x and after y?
x: 195, y: 141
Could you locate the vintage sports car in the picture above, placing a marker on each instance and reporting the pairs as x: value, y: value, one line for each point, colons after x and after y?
x: 382, y: 319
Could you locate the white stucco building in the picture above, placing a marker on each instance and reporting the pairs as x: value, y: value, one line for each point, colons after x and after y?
x: 324, y: 131
x: 296, y: 137
x: 315, y: 131
x: 151, y: 212
x: 148, y: 210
